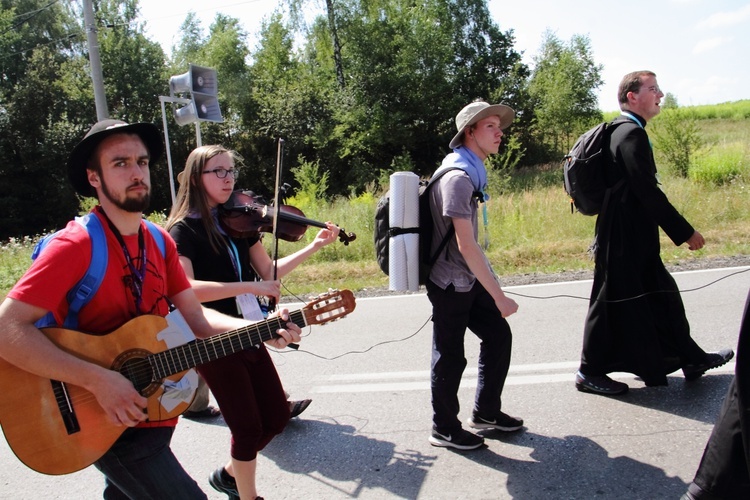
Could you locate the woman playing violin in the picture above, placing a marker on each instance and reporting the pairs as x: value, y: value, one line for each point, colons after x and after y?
x: 224, y: 272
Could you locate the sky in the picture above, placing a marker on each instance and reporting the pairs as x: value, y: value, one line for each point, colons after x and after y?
x: 699, y: 49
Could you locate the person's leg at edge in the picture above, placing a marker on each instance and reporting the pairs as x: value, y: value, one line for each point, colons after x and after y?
x: 450, y: 312
x: 723, y: 472
x: 488, y: 324
x: 136, y: 465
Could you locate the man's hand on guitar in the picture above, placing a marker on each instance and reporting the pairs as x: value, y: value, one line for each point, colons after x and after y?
x: 286, y: 336
x: 119, y: 399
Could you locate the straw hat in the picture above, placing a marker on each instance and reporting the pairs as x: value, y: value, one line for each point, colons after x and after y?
x: 477, y: 111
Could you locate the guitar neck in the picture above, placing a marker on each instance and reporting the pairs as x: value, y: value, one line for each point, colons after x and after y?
x: 201, y: 351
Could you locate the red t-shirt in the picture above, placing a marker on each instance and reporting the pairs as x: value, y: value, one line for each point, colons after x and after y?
x: 65, y: 260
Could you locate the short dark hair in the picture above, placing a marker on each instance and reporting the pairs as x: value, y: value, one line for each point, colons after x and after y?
x: 631, y: 83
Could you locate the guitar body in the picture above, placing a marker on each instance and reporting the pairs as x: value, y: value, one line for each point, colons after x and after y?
x: 57, y: 428
x: 30, y: 414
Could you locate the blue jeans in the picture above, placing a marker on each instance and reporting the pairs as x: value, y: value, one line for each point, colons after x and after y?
x: 140, y: 465
x: 452, y: 313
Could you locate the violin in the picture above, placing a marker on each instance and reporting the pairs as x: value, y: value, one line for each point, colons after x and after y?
x: 244, y: 216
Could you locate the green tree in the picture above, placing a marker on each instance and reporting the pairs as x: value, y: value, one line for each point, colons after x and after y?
x: 191, y: 42
x: 131, y: 64
x: 669, y: 102
x: 562, y: 89
x: 46, y: 100
x: 368, y: 87
x: 289, y: 100
x: 296, y: 9
x: 410, y: 68
x: 38, y: 40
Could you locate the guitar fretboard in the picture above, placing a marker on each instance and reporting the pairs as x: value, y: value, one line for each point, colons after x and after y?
x: 201, y: 351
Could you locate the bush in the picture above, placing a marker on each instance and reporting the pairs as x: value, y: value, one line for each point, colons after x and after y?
x: 677, y: 137
x: 313, y: 183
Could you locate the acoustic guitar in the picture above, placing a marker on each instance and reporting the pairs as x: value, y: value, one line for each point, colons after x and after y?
x: 59, y: 428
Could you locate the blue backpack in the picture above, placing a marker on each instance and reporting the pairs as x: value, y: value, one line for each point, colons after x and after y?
x: 84, y: 290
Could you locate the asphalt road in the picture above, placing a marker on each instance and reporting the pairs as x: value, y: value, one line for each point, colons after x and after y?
x: 365, y: 434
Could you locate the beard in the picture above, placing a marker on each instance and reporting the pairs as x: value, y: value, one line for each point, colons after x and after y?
x: 128, y: 204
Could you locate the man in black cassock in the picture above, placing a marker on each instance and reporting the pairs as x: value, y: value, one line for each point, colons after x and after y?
x: 724, y: 471
x: 636, y: 321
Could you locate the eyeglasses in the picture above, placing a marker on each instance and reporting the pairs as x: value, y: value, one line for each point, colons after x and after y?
x: 221, y: 173
x: 653, y: 88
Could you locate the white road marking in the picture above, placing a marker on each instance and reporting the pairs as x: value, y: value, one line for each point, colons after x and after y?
x: 517, y: 375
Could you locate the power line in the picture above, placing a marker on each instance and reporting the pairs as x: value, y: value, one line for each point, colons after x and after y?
x: 71, y: 36
x: 216, y: 9
x: 37, y: 11
x: 27, y: 16
x: 31, y: 14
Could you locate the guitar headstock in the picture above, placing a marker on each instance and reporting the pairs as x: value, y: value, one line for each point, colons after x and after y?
x: 329, y: 306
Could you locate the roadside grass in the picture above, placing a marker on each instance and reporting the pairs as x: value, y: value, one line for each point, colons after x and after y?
x: 531, y: 231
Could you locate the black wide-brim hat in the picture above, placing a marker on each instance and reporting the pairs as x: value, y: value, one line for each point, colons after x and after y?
x: 79, y: 158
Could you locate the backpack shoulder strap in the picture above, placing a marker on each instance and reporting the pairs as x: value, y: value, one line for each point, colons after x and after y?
x: 448, y: 234
x: 619, y: 121
x: 439, y: 173
x: 158, y: 237
x: 84, y: 290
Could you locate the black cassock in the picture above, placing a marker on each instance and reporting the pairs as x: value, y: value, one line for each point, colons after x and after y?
x: 724, y: 468
x: 636, y: 320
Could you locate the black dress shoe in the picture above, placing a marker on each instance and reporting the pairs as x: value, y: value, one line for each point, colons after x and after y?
x: 221, y: 481
x: 600, y: 384
x: 297, y: 407
x: 713, y: 360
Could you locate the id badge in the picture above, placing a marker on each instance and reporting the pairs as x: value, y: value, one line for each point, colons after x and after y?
x: 247, y: 305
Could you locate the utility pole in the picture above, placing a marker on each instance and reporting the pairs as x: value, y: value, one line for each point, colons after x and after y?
x: 100, y: 99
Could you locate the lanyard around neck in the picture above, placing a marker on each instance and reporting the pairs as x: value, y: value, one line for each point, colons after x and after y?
x: 138, y: 275
x: 234, y: 256
x: 632, y: 117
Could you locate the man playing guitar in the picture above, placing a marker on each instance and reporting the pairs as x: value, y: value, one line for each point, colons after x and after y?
x: 112, y: 163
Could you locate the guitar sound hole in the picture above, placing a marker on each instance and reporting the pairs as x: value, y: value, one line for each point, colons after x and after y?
x: 138, y: 371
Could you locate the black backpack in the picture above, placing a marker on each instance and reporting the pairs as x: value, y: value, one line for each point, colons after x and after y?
x: 583, y: 169
x: 383, y: 230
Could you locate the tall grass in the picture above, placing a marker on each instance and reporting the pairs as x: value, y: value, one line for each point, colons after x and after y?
x: 15, y: 258
x: 732, y: 111
x: 721, y: 166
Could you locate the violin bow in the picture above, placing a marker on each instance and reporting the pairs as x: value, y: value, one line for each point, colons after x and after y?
x: 276, y: 204
x: 276, y: 201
